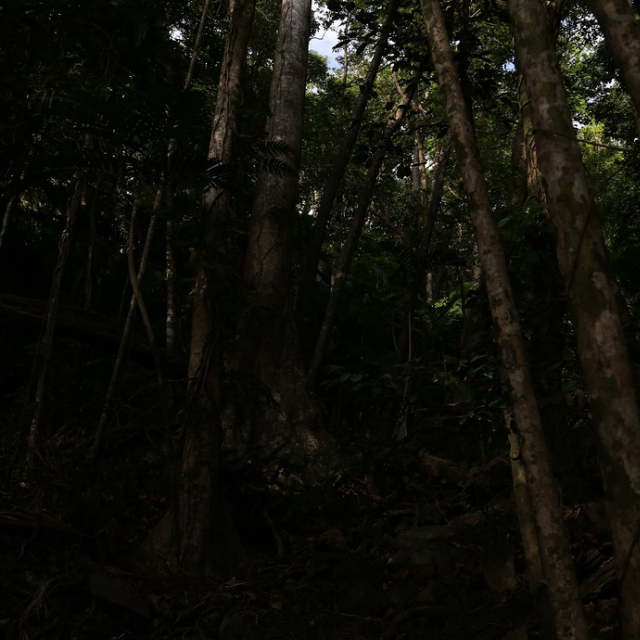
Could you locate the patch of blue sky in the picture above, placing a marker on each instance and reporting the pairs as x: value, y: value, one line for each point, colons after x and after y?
x: 324, y: 41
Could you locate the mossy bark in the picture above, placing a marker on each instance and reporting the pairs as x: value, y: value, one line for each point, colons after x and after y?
x: 591, y: 291
x: 547, y: 340
x: 556, y: 554
x: 529, y: 535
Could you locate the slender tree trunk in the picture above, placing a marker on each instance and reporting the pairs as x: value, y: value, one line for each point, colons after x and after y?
x: 6, y: 217
x: 197, y: 44
x: 622, y: 34
x: 46, y: 343
x: 107, y: 407
x: 161, y: 192
x: 146, y: 320
x: 583, y: 262
x: 170, y: 269
x: 526, y: 187
x: 206, y: 538
x: 545, y: 344
x: 93, y: 236
x: 171, y: 277
x: 557, y: 560
x: 164, y: 406
x: 351, y: 243
x: 430, y: 211
x: 430, y: 205
x: 332, y: 184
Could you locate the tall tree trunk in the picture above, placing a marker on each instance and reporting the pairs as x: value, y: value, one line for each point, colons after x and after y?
x: 349, y: 248
x: 557, y: 560
x: 267, y: 346
x: 547, y: 340
x: 332, y: 184
x: 206, y: 537
x: 622, y: 34
x: 592, y: 298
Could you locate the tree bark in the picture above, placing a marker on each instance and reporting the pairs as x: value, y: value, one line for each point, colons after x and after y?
x: 557, y: 560
x: 584, y: 265
x: 622, y: 34
x: 332, y: 184
x: 529, y: 535
x: 267, y: 348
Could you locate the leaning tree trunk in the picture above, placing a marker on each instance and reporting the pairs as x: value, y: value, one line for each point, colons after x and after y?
x: 557, y: 560
x: 546, y: 283
x: 107, y: 407
x: 622, y: 34
x: 282, y: 413
x: 46, y: 343
x: 206, y: 537
x: 592, y: 297
x: 332, y: 184
x: 349, y: 248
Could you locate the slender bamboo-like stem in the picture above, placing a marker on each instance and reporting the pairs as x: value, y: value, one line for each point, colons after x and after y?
x: 197, y: 44
x: 334, y: 180
x: 126, y: 333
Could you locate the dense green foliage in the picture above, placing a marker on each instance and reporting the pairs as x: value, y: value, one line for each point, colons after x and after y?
x: 93, y: 96
x: 92, y: 93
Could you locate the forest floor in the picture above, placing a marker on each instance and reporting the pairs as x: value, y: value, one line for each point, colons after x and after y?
x: 410, y: 547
